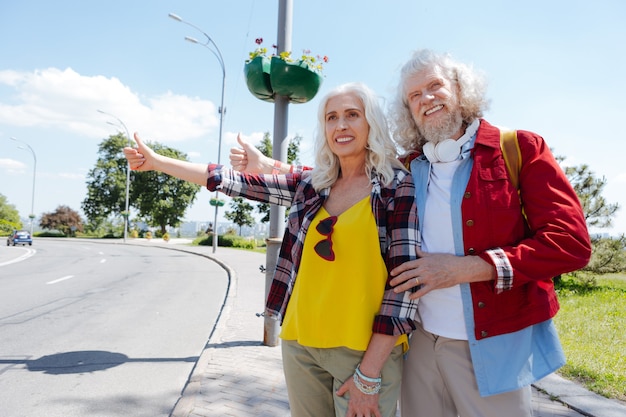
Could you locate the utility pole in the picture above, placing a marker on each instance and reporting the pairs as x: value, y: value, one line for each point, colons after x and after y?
x: 279, y: 153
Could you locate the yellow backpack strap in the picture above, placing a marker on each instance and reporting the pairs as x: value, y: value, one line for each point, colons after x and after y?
x: 512, y: 155
x: 513, y: 160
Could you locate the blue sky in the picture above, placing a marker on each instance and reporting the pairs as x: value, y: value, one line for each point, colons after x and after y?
x: 555, y: 67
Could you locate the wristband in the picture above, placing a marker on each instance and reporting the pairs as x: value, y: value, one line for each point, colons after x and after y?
x: 366, y: 378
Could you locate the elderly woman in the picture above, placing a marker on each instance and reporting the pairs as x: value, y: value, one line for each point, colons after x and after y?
x: 352, y: 220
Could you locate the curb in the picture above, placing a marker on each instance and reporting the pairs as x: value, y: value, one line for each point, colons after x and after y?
x: 580, y: 399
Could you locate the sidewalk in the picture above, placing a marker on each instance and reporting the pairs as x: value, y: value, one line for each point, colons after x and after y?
x: 237, y: 375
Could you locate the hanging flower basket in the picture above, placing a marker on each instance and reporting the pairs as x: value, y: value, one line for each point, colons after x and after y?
x: 281, y: 75
x: 257, y: 73
x: 294, y: 80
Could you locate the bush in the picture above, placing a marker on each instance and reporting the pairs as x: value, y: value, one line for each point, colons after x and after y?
x: 49, y: 233
x: 226, y: 241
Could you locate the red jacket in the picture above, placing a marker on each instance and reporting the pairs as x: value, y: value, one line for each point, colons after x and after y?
x: 555, y: 240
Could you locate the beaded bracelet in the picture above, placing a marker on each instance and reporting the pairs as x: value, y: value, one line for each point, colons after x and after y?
x: 366, y: 389
x: 358, y: 377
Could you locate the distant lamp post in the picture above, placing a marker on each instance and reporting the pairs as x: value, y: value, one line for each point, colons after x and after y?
x: 130, y: 143
x: 31, y: 216
x: 211, y: 46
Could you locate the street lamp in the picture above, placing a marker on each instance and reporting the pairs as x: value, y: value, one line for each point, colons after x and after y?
x: 130, y: 143
x: 211, y: 46
x: 32, y: 206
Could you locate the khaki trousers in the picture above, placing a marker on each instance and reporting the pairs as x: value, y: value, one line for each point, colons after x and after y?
x: 314, y: 375
x: 438, y: 381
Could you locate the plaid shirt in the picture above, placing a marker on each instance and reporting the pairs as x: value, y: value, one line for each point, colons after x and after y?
x: 396, y: 219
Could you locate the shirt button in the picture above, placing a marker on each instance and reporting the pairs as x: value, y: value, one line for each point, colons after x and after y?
x: 467, y: 194
x: 483, y: 333
x: 481, y: 304
x: 471, y: 251
x: 470, y: 223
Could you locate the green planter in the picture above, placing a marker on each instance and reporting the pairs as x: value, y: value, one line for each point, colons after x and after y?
x: 294, y: 80
x: 257, y: 73
x: 267, y: 78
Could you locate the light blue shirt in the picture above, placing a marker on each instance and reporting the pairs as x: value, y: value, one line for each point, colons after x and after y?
x: 505, y: 362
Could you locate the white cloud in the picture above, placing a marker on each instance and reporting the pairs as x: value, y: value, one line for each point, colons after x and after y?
x: 67, y: 100
x: 11, y: 166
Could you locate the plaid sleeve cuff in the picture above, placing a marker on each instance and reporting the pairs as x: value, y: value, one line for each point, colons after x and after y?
x: 214, y: 178
x: 393, y: 326
x: 504, y: 270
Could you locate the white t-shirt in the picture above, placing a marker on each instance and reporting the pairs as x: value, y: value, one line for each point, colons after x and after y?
x: 441, y: 311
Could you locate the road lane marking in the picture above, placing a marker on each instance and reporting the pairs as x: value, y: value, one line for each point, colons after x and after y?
x: 28, y: 254
x: 60, y: 279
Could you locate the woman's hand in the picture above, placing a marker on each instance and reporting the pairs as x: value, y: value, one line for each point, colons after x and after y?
x: 377, y: 353
x: 359, y: 404
x: 143, y: 158
x: 249, y: 159
x: 140, y: 158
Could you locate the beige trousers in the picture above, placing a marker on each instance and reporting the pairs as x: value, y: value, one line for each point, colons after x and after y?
x: 314, y: 375
x: 438, y: 381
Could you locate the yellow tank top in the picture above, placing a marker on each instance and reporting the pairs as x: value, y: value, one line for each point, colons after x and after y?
x: 334, y: 303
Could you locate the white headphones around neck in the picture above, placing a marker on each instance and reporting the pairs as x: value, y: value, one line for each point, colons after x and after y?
x: 449, y: 150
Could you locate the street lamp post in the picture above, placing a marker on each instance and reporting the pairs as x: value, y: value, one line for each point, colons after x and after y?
x: 130, y: 143
x: 211, y: 46
x: 31, y: 216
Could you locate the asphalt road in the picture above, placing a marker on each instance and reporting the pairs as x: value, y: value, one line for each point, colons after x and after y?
x: 90, y: 329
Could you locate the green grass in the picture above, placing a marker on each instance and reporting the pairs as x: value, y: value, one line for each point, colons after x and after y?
x: 592, y: 329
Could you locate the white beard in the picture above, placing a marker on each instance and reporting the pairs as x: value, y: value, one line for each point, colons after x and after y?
x: 446, y: 129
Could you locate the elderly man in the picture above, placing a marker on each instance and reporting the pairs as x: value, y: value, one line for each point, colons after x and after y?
x: 484, y: 277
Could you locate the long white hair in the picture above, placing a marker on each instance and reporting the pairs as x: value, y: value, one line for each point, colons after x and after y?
x: 381, y: 151
x: 471, y: 86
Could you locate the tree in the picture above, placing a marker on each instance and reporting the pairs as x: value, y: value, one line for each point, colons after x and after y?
x: 63, y: 219
x: 598, y: 213
x: 9, y: 216
x: 293, y: 151
x: 106, y: 182
x: 241, y: 214
x: 608, y: 255
x: 160, y: 198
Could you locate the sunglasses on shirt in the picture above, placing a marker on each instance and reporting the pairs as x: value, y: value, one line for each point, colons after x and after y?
x: 324, y: 248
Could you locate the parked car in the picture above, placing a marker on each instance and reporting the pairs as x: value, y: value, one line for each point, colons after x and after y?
x: 19, y: 237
